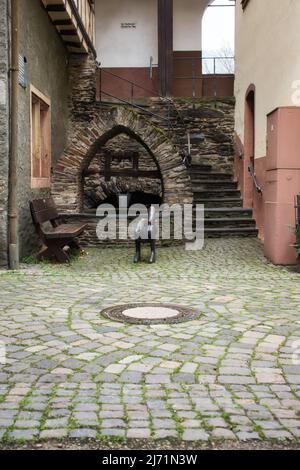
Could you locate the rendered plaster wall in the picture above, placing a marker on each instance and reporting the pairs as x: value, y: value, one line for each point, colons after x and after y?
x: 124, y: 47
x: 267, y: 55
x: 46, y: 70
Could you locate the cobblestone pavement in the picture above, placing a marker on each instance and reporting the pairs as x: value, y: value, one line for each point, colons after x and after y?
x: 229, y: 374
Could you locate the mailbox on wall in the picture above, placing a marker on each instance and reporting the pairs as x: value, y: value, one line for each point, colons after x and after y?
x: 283, y: 139
x: 282, y: 183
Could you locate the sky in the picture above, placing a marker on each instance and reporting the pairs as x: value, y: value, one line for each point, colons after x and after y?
x: 218, y: 28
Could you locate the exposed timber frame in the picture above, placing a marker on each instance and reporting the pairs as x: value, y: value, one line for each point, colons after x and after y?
x: 165, y: 46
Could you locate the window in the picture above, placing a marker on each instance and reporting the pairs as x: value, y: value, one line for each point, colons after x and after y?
x: 40, y: 139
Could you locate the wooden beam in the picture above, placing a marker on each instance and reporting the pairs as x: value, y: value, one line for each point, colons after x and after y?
x: 68, y: 32
x: 62, y: 22
x: 55, y: 7
x: 165, y: 46
x: 77, y: 45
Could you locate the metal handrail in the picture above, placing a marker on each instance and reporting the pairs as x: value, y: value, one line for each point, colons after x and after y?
x: 208, y: 76
x: 137, y: 85
x: 186, y: 156
x: 197, y: 76
x: 122, y: 100
x: 163, y: 98
x: 133, y: 83
x: 297, y: 210
x: 204, y: 58
x: 254, y: 179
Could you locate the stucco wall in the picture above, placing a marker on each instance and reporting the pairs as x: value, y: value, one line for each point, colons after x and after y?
x: 47, y: 70
x: 188, y: 24
x: 4, y: 129
x: 267, y: 55
x: 121, y: 47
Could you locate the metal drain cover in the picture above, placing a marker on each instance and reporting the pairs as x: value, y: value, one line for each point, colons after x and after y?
x: 150, y: 313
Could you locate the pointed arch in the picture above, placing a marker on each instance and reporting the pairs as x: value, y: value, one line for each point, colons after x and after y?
x: 67, y: 188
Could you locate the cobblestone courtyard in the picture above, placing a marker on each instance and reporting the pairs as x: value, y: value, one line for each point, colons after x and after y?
x: 228, y: 374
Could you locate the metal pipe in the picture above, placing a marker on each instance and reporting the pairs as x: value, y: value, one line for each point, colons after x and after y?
x: 13, y: 245
x: 189, y: 142
x: 151, y: 68
x: 194, y: 78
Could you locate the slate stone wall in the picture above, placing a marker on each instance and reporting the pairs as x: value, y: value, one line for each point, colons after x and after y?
x: 4, y: 128
x: 211, y: 125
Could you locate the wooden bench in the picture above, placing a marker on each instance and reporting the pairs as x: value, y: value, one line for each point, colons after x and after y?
x: 55, y: 236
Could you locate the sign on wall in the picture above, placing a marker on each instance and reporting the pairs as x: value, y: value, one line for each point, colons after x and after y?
x: 22, y: 71
x: 128, y: 25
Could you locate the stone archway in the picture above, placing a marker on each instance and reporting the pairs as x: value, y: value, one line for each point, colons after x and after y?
x: 89, y: 136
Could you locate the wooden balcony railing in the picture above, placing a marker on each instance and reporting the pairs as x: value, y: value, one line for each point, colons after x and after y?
x: 75, y: 22
x: 86, y: 10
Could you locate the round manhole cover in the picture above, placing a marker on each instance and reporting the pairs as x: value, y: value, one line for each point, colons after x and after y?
x: 150, y: 314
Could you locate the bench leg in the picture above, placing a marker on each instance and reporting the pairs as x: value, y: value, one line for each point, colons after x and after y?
x: 54, y: 250
x: 60, y: 254
x: 75, y: 244
x: 45, y: 253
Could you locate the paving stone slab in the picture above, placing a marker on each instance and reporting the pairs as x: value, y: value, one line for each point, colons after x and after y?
x: 195, y: 435
x: 67, y: 364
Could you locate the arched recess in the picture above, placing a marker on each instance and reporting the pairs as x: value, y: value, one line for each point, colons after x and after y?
x: 249, y: 145
x: 88, y: 137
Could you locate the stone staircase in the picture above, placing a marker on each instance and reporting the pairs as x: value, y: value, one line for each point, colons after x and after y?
x: 224, y: 212
x: 211, y: 126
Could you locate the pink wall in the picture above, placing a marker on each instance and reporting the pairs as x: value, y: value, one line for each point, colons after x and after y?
x: 255, y: 200
x: 278, y: 174
x: 282, y: 183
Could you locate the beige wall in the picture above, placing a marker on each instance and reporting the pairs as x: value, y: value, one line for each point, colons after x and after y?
x: 122, y: 47
x: 132, y: 47
x: 188, y: 16
x: 268, y: 56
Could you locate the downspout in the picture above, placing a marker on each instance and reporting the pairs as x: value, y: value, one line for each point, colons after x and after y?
x: 13, y: 247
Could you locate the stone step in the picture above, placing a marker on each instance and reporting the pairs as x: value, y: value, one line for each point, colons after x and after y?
x: 231, y: 232
x: 222, y: 212
x: 216, y: 193
x: 211, y: 185
x: 229, y: 223
x: 210, y: 176
x: 223, y: 202
x: 200, y: 168
x: 229, y: 219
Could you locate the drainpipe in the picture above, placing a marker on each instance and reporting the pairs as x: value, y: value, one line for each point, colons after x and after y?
x: 13, y: 247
